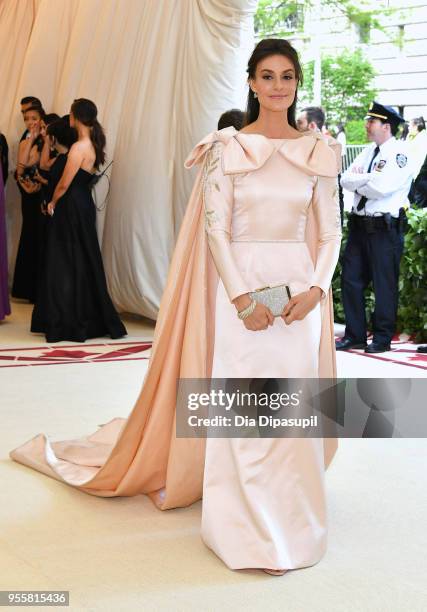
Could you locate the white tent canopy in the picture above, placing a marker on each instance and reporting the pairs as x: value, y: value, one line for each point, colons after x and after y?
x: 161, y: 72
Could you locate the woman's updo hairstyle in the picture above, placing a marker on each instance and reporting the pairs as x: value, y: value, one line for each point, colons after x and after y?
x: 50, y: 118
x: 62, y: 132
x: 266, y: 48
x: 86, y: 112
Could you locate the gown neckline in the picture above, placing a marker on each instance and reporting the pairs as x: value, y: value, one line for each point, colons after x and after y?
x: 268, y: 138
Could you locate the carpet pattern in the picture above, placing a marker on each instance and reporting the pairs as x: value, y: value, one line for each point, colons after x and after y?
x: 71, y: 354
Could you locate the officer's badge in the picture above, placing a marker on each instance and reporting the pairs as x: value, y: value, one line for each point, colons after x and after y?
x: 380, y: 165
x: 401, y: 160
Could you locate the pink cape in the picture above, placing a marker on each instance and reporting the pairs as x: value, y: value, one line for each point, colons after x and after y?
x: 141, y: 454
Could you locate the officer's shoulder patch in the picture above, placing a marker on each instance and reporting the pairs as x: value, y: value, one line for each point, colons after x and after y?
x: 401, y: 160
x: 380, y: 165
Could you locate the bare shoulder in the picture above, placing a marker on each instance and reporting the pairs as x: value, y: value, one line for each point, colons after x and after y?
x: 24, y: 144
x: 76, y: 151
x: 77, y: 146
x: 82, y: 149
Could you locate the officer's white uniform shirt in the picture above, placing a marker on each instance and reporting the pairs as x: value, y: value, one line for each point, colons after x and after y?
x: 388, y: 183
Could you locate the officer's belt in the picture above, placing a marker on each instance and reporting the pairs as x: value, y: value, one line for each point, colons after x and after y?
x: 369, y: 222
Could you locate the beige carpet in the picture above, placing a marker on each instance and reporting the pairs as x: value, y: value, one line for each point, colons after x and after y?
x: 124, y: 555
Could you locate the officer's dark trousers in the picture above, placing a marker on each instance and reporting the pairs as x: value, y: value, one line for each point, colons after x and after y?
x: 371, y: 257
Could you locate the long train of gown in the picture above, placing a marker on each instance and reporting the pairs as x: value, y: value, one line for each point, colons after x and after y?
x: 143, y: 455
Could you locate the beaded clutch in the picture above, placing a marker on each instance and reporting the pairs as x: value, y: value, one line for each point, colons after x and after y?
x: 275, y: 298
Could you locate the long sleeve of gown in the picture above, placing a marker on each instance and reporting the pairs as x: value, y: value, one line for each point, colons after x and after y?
x: 218, y: 204
x: 327, y: 214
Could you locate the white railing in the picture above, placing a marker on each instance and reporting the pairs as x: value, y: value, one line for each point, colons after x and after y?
x: 351, y: 152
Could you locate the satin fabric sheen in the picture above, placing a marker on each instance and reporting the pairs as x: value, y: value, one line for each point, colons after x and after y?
x: 142, y: 454
x: 264, y: 499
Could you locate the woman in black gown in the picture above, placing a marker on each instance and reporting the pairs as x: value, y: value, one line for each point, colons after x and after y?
x: 74, y: 303
x: 58, y: 139
x: 27, y: 259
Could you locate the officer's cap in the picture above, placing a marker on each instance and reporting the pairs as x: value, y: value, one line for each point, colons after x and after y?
x: 386, y: 113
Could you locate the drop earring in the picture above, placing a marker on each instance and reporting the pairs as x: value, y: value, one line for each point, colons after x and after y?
x: 255, y: 94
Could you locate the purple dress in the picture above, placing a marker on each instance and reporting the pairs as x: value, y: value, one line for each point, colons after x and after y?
x: 4, y: 289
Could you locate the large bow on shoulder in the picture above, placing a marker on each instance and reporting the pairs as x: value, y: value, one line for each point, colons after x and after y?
x: 312, y: 153
x: 198, y: 152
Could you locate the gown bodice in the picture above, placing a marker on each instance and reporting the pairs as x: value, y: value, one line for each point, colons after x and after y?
x: 272, y: 203
x: 82, y: 179
x: 261, y: 190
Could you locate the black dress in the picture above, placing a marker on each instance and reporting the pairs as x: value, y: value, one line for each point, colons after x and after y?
x: 52, y: 175
x: 28, y: 256
x: 420, y: 187
x: 4, y: 158
x: 73, y: 302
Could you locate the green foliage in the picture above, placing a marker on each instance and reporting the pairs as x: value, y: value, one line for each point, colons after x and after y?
x: 412, y: 317
x: 347, y: 86
x: 412, y: 313
x: 355, y: 132
x: 363, y: 19
x: 336, y: 281
x: 282, y: 18
x: 278, y: 19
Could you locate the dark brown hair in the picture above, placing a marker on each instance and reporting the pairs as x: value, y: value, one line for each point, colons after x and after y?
x: 86, y: 112
x: 31, y: 100
x: 61, y: 130
x: 234, y: 117
x: 36, y: 109
x: 266, y: 48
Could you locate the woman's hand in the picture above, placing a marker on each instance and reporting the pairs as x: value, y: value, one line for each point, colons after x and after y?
x: 39, y: 178
x: 34, y: 133
x: 51, y: 208
x: 29, y: 186
x: 260, y: 318
x: 301, y: 304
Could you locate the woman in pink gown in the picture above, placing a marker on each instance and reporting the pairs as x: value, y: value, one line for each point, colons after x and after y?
x: 263, y: 499
x: 262, y: 211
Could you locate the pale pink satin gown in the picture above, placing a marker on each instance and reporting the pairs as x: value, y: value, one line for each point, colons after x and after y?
x: 268, y: 207
x: 264, y: 499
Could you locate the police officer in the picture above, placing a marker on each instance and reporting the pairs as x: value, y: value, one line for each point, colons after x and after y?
x: 380, y: 178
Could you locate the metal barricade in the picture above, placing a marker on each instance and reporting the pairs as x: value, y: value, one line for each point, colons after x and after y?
x: 351, y: 152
